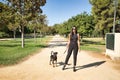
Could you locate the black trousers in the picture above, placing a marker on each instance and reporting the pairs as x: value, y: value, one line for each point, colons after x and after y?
x: 72, y: 48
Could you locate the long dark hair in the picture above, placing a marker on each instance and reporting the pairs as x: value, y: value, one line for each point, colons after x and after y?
x: 74, y: 27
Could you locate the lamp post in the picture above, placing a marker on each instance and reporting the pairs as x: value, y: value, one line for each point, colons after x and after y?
x: 115, y: 9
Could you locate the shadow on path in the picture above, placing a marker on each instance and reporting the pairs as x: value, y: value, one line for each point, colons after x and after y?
x: 94, y: 64
x: 61, y: 64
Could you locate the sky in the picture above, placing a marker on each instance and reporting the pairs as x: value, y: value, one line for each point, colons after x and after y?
x: 58, y: 11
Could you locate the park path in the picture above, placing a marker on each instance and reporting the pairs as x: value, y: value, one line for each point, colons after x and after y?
x: 37, y: 67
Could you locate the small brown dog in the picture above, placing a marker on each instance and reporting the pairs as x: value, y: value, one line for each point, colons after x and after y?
x: 53, y: 58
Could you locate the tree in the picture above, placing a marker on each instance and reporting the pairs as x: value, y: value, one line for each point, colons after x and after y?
x: 14, y: 23
x: 28, y: 9
x: 37, y: 24
x: 103, y: 12
x: 85, y: 24
x: 4, y: 17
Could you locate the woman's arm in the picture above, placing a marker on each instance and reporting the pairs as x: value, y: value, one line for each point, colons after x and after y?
x: 78, y: 41
x: 68, y: 41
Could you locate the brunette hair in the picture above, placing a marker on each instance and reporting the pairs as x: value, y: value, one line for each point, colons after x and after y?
x: 74, y: 27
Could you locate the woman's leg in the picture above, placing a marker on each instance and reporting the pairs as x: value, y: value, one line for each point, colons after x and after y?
x: 75, y: 52
x: 75, y: 57
x: 67, y: 57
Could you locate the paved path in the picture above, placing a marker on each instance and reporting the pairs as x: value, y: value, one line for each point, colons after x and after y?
x: 37, y: 67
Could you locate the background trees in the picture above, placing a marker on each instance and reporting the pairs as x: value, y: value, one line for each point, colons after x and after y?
x: 84, y: 23
x: 103, y: 13
x: 20, y: 13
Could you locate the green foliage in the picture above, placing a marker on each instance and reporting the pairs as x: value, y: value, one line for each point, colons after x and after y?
x: 4, y: 19
x: 38, y: 23
x: 103, y: 12
x: 3, y: 34
x: 84, y: 23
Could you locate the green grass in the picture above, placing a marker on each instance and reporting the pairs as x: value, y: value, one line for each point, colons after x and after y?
x: 93, y: 44
x: 11, y: 51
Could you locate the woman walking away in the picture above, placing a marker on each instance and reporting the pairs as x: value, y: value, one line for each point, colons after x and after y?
x: 73, y: 46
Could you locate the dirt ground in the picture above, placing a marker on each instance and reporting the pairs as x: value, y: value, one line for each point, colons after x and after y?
x: 90, y: 66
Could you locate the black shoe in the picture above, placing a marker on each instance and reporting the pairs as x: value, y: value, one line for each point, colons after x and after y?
x: 63, y: 67
x: 74, y: 69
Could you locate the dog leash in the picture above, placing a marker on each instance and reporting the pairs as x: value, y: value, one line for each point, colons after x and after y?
x: 65, y: 51
x: 79, y: 50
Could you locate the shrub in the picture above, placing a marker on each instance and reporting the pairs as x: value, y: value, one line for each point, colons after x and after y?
x: 3, y: 34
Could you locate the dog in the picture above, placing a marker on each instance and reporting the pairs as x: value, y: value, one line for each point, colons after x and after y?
x: 53, y: 58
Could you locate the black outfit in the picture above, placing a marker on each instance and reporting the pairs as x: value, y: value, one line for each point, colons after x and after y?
x: 73, y: 47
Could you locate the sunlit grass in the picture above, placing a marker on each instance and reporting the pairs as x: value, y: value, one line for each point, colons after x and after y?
x: 93, y: 44
x: 11, y: 51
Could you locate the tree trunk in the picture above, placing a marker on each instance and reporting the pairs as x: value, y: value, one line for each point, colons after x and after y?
x: 103, y: 34
x: 14, y: 33
x: 22, y: 35
x: 34, y: 35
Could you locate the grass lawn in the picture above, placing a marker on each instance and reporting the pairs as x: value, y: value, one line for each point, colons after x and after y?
x: 93, y: 44
x: 11, y: 51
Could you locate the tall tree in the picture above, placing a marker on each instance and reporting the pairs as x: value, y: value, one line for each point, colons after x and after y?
x: 37, y: 24
x: 103, y: 12
x: 5, y: 18
x: 3, y: 15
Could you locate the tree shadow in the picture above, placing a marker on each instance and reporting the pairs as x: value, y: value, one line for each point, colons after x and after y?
x: 10, y: 45
x: 41, y: 46
x: 17, y: 45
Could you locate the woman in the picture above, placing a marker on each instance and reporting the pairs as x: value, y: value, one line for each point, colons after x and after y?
x: 73, y: 46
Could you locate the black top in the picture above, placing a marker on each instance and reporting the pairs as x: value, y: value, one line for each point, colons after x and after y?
x: 73, y: 39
